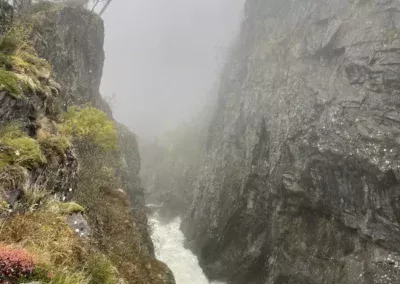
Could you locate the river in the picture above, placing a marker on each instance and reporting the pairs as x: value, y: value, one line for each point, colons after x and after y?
x: 168, y: 242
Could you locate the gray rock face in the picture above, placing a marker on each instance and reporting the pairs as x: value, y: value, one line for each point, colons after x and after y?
x: 79, y: 225
x: 301, y: 179
x: 71, y: 39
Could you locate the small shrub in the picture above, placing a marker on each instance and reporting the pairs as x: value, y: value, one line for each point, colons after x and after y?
x: 15, y: 38
x: 90, y: 125
x: 34, y: 195
x: 9, y: 83
x: 13, y: 176
x: 6, y: 62
x: 66, y: 208
x: 102, y: 271
x: 30, y: 56
x: 19, y: 149
x: 4, y: 206
x: 66, y: 276
x: 47, y: 236
x: 54, y: 144
x: 14, y: 264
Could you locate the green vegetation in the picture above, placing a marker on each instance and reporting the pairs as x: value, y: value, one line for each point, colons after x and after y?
x: 9, y: 83
x: 89, y: 125
x: 21, y: 69
x: 6, y: 62
x: 34, y: 195
x: 102, y: 271
x: 118, y: 233
x: 12, y: 176
x: 17, y: 148
x: 47, y: 236
x: 54, y: 145
x: 39, y: 165
x: 4, y: 206
x: 68, y: 208
x: 60, y: 256
x: 15, y: 38
x: 67, y: 277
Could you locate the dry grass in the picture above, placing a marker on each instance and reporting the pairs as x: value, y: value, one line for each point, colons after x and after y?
x: 60, y: 257
x: 46, y: 235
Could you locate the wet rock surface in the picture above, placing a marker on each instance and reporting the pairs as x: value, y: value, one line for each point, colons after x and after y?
x: 79, y: 225
x: 301, y: 179
x: 69, y: 38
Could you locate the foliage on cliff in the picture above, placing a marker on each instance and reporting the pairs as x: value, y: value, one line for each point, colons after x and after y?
x: 103, y: 181
x: 88, y: 125
x: 41, y: 147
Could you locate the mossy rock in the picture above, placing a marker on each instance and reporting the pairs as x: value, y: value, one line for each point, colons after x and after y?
x: 9, y: 83
x: 54, y: 145
x: 69, y: 208
x: 15, y: 38
x: 17, y: 148
x: 90, y: 126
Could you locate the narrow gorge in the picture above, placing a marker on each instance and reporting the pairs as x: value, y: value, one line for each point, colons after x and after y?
x: 286, y: 172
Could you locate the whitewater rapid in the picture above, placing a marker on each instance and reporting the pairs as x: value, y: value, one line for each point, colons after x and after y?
x: 168, y: 242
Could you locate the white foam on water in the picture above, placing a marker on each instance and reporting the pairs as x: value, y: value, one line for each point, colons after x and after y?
x: 168, y: 242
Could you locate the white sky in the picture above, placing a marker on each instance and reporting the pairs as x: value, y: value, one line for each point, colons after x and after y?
x: 163, y: 57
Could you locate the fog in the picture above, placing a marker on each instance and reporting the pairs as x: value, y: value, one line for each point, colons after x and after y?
x: 163, y: 58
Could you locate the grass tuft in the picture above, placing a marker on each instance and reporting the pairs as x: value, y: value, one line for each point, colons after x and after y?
x: 89, y: 125
x: 18, y: 149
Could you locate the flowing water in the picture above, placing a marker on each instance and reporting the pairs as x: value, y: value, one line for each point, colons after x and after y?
x: 168, y: 242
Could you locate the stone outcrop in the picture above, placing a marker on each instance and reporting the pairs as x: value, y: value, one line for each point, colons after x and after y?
x: 72, y: 40
x: 51, y: 60
x: 301, y: 178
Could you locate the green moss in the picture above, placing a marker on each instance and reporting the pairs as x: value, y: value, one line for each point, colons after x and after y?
x: 21, y: 69
x: 90, y: 125
x: 15, y: 38
x: 32, y: 58
x: 4, y: 206
x: 27, y: 151
x: 55, y: 144
x: 69, y: 208
x: 6, y: 62
x: 19, y: 149
x: 102, y: 271
x: 21, y: 73
x: 9, y: 83
x: 20, y: 66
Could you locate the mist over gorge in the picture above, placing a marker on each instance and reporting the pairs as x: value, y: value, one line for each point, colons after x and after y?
x: 224, y: 141
x: 298, y: 180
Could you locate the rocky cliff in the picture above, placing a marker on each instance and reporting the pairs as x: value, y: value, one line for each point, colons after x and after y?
x: 70, y: 39
x: 301, y: 176
x: 71, y: 206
